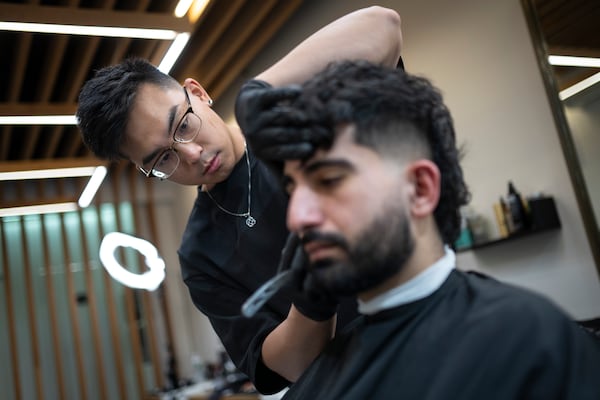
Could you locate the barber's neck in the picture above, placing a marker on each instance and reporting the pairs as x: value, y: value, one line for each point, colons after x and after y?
x: 239, y: 146
x: 239, y: 141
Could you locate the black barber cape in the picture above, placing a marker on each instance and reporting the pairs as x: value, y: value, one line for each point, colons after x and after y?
x: 474, y: 338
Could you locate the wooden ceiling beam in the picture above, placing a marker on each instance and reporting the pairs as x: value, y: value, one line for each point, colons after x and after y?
x: 206, y: 38
x: 74, y: 86
x: 159, y: 51
x: 251, y: 47
x: 42, y: 108
x: 52, y: 142
x: 91, y: 17
x: 54, y: 57
x: 573, y: 51
x: 19, y: 66
x: 246, y: 23
x: 4, y: 142
x: 73, y: 144
x: 40, y: 201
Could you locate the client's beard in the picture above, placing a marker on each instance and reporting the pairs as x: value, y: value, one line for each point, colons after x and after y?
x: 378, y: 253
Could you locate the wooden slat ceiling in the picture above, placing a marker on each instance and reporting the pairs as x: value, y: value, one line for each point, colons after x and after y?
x: 43, y: 73
x: 571, y: 27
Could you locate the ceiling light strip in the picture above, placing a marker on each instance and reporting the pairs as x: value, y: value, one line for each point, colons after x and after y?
x: 48, y: 173
x: 182, y: 8
x: 108, y: 31
x: 38, y: 120
x: 572, y: 61
x: 174, y: 52
x: 92, y: 187
x: 179, y: 42
x: 38, y: 209
x: 579, y: 86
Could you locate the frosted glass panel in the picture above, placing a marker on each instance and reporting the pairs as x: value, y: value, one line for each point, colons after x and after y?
x: 6, y: 367
x: 35, y: 250
x: 63, y: 283
x: 19, y: 300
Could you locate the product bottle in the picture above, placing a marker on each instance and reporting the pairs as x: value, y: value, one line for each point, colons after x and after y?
x: 501, y: 219
x: 465, y: 239
x: 517, y: 209
x: 507, y: 215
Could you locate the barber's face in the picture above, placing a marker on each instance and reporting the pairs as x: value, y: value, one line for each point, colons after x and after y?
x: 155, y: 115
x: 349, y: 206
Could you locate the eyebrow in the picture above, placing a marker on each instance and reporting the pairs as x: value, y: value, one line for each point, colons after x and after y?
x: 313, y: 166
x: 171, y: 117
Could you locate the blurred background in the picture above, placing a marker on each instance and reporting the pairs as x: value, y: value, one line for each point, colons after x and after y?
x: 71, y: 331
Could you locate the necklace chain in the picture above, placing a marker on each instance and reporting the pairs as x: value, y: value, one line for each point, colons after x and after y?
x: 250, y: 221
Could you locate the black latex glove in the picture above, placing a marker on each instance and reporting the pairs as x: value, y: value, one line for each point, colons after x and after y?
x: 275, y: 130
x: 308, y: 297
x: 293, y: 276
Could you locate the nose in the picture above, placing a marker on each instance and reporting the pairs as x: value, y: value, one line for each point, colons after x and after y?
x: 304, y: 210
x: 189, y: 153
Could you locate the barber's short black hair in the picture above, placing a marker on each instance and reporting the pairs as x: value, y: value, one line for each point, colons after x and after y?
x: 105, y: 103
x: 389, y: 105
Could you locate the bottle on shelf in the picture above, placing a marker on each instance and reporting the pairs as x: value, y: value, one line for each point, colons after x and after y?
x: 500, y: 212
x: 465, y: 239
x: 517, y: 209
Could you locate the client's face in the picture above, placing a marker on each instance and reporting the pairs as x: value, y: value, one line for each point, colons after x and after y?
x: 349, y: 206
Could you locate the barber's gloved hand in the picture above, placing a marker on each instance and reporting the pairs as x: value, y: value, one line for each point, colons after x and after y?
x: 275, y: 130
x: 310, y: 299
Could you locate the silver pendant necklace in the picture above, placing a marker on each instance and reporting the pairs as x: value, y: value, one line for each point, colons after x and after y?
x: 250, y: 221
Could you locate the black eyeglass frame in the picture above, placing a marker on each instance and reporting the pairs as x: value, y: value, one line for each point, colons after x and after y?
x: 149, y: 173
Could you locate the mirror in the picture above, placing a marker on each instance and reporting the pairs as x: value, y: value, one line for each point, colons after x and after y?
x: 569, y: 28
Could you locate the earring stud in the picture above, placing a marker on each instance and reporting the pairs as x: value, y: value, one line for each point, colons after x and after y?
x: 210, y: 102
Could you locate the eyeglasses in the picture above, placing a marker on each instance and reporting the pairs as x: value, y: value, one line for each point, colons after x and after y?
x: 185, y: 131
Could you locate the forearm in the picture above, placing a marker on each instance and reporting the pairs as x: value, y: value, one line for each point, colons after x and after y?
x: 295, y: 343
x: 371, y: 34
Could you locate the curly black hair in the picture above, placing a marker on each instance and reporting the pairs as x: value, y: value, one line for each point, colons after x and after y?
x: 105, y: 103
x: 391, y: 106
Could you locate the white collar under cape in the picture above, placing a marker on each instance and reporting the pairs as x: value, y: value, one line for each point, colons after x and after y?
x: 416, y: 288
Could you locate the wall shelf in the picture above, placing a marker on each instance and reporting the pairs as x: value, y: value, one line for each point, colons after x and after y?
x: 510, y: 238
x: 544, y: 218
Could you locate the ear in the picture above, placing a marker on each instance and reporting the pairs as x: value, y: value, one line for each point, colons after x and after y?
x: 426, y: 179
x: 196, y: 89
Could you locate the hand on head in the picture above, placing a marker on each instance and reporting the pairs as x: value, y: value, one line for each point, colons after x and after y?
x: 274, y: 130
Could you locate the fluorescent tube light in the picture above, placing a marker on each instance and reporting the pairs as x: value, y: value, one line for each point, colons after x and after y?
x: 182, y: 8
x: 197, y: 10
x: 97, y: 174
x: 174, y: 52
x: 48, y: 173
x: 38, y: 120
x: 92, y: 187
x: 572, y: 61
x: 579, y: 86
x: 38, y: 209
x: 110, y: 31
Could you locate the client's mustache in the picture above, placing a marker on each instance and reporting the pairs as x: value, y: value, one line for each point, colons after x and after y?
x: 325, y: 238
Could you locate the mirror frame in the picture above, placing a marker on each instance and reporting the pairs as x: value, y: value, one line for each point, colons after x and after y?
x: 564, y: 131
